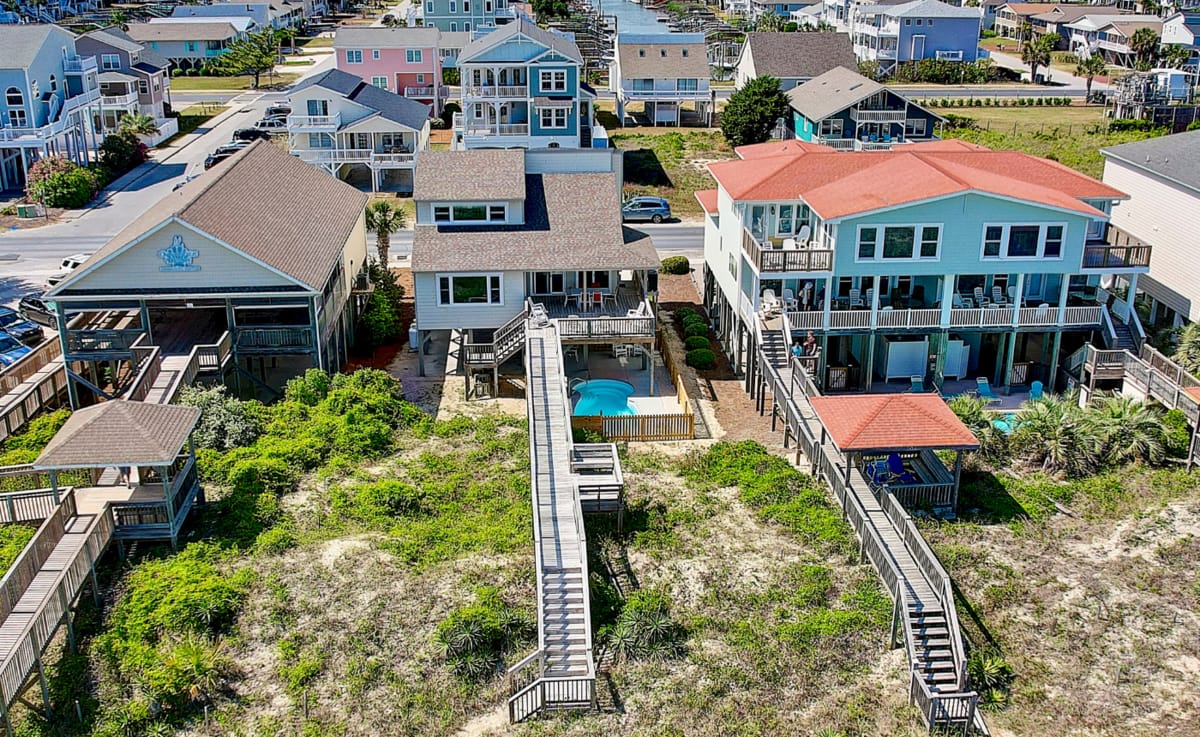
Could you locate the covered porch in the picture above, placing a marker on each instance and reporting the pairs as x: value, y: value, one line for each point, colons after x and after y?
x: 142, y: 460
x: 892, y: 439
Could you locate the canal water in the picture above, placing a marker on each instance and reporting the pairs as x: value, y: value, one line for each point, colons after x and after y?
x: 631, y: 17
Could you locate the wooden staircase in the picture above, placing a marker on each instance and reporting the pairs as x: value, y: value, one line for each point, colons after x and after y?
x: 933, y: 660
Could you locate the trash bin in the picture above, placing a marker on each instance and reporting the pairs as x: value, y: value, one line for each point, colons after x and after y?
x: 414, y: 339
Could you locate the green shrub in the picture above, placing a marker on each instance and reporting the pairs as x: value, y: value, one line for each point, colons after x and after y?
x: 121, y: 152
x: 225, y: 422
x: 475, y: 638
x: 702, y: 359
x: 275, y: 540
x: 683, y: 313
x: 675, y: 265
x: 990, y: 675
x: 262, y: 476
x: 1177, y: 434
x: 13, y: 539
x: 377, y: 501
x: 695, y: 329
x: 58, y: 182
x: 696, y: 342
x: 644, y: 629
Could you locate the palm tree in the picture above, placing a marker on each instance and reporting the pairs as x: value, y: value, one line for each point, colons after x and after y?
x: 1024, y: 34
x: 973, y: 413
x: 1053, y: 432
x: 1187, y: 349
x: 139, y: 124
x: 1037, y: 53
x: 288, y: 33
x: 384, y: 218
x: 1126, y: 430
x: 1089, y: 68
x: 1144, y: 45
x: 769, y: 21
x: 1175, y: 56
x: 120, y: 19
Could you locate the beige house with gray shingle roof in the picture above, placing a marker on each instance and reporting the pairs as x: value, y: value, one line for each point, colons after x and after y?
x: 793, y: 58
x: 663, y: 72
x: 226, y: 259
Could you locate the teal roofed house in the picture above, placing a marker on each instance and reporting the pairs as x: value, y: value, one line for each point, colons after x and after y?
x: 522, y: 88
x: 935, y: 262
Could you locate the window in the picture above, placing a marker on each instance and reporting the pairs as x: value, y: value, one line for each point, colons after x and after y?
x: 466, y: 26
x: 53, y: 83
x: 930, y: 236
x: 497, y: 213
x: 318, y: 107
x: 662, y: 53
x: 110, y: 61
x: 898, y: 242
x: 441, y: 213
x: 1023, y: 241
x: 453, y: 6
x: 553, y: 117
x: 13, y: 97
x: 190, y: 46
x: 429, y: 8
x: 466, y: 6
x: 918, y: 21
x: 908, y: 21
x: 470, y: 213
x: 354, y: 56
x: 915, y: 127
x: 688, y: 85
x: 831, y: 128
x: 786, y: 222
x: 17, y: 119
x: 420, y: 79
x: 380, y: 82
x: 487, y: 6
x: 685, y: 52
x: 463, y: 289
x: 549, y: 282
x: 453, y: 26
x: 641, y: 53
x: 319, y: 140
x: 554, y: 80
x: 478, y: 112
x: 375, y: 54
x: 412, y: 56
x: 866, y: 242
x: 143, y: 87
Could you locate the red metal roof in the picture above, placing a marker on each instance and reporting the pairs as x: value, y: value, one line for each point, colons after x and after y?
x: 887, y: 422
x: 779, y: 148
x: 841, y: 184
x: 708, y: 200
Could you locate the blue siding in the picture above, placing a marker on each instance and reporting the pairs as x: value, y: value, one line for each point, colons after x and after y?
x: 535, y: 79
x: 946, y: 34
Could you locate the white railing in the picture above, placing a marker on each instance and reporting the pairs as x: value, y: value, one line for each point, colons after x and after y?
x: 315, y: 122
x: 955, y: 55
x: 79, y: 64
x: 118, y: 100
x: 924, y: 318
x: 496, y: 91
x: 979, y: 317
x: 418, y: 92
x: 696, y: 94
x: 877, y: 116
x: 806, y: 320
x: 838, y: 144
x: 393, y: 159
x: 850, y: 320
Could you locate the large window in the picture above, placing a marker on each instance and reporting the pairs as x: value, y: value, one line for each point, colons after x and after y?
x: 470, y: 289
x: 687, y: 85
x: 899, y: 242
x: 412, y: 56
x: 110, y: 61
x: 554, y: 80
x: 380, y: 82
x: 13, y: 97
x: 549, y: 282
x: 831, y: 128
x: 472, y: 213
x: 1023, y: 240
x: 915, y: 127
x: 354, y: 56
x: 552, y: 118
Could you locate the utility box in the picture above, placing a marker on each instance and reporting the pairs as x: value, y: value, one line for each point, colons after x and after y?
x: 29, y: 211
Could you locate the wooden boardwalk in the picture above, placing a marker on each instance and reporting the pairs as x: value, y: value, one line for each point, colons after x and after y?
x: 924, y: 616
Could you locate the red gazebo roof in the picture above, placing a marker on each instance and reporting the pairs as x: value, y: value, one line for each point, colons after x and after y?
x: 892, y: 422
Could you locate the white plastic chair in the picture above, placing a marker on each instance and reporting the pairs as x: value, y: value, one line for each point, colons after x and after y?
x: 980, y: 298
x: 997, y: 294
x: 620, y: 350
x: 789, y: 244
x: 956, y: 300
x: 770, y: 303
x: 870, y: 297
x: 789, y: 300
x: 856, y: 299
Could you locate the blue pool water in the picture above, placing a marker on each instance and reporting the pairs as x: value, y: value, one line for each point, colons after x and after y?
x: 604, y: 397
x: 1007, y: 424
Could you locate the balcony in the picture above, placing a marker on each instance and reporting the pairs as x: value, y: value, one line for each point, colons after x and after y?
x: 79, y: 64
x: 770, y: 258
x: 955, y: 55
x: 427, y: 92
x: 377, y: 159
x: 123, y: 102
x: 980, y: 318
x: 877, y: 116
x: 497, y: 92
x: 481, y: 128
x: 314, y: 123
x: 665, y: 95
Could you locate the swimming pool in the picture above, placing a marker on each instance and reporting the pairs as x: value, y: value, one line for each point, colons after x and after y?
x: 607, y: 397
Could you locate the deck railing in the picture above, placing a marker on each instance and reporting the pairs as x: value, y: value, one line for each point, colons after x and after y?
x: 29, y: 364
x: 29, y: 402
x: 1115, y: 257
x: 679, y: 426
x: 780, y: 260
x: 28, y: 506
x: 83, y: 342
x: 274, y: 337
x: 606, y: 328
x: 21, y: 573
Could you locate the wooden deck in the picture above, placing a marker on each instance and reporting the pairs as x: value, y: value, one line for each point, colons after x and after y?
x: 924, y: 615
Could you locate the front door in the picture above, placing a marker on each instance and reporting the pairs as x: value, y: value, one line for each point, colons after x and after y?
x: 918, y: 47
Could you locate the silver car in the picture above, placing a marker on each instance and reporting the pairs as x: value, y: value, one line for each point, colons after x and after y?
x: 651, y: 209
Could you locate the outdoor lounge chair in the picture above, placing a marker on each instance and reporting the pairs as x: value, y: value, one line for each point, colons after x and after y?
x: 789, y: 300
x: 899, y: 474
x: 998, y: 295
x: 985, y: 390
x: 770, y: 303
x: 918, y: 384
x: 1035, y: 390
x: 856, y: 299
x: 980, y: 298
x: 878, y: 473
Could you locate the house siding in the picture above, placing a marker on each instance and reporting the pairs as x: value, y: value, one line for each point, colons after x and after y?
x: 432, y: 316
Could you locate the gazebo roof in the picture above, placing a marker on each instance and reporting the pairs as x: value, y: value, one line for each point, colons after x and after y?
x: 120, y: 433
x: 892, y: 422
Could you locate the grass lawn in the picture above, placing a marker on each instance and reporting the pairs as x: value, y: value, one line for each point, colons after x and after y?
x: 404, y: 204
x: 204, y: 84
x: 670, y: 163
x: 1066, y: 134
x: 194, y: 116
x: 317, y: 42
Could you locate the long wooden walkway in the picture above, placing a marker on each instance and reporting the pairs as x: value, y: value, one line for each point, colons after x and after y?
x: 924, y: 615
x: 561, y: 673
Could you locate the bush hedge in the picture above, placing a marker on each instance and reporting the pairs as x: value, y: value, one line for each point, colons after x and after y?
x: 696, y: 342
x: 683, y: 313
x: 695, y: 329
x: 675, y: 265
x: 58, y: 182
x: 701, y: 358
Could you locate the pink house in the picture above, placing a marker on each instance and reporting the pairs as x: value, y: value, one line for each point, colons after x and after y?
x: 401, y: 60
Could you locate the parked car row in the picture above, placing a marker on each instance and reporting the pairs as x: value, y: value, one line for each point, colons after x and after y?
x: 17, y: 335
x: 273, y: 123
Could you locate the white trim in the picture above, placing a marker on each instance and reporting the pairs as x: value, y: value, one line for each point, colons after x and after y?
x: 487, y: 207
x: 452, y: 275
x: 951, y: 195
x: 543, y: 74
x: 878, y: 257
x: 1005, y: 235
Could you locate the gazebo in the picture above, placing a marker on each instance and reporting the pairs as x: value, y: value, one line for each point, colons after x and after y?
x: 892, y: 438
x: 151, y: 443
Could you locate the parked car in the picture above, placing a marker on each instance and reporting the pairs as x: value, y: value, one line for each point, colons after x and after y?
x: 12, y: 350
x: 69, y: 264
x: 278, y: 110
x: 250, y: 134
x: 34, y: 309
x: 224, y: 152
x: 272, y: 126
x: 18, y: 327
x: 653, y: 209
x: 184, y: 181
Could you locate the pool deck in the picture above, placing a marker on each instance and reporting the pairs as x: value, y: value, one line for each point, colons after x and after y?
x: 602, y: 365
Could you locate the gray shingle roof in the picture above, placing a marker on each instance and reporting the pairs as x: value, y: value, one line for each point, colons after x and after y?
x: 396, y: 108
x: 373, y: 37
x: 115, y: 38
x: 803, y: 55
x: 572, y: 221
x: 120, y: 433
x: 179, y: 31
x: 300, y: 233
x: 1176, y: 157
x: 835, y: 90
x: 661, y: 56
x: 464, y: 176
x: 523, y: 26
x: 924, y: 9
x: 21, y: 43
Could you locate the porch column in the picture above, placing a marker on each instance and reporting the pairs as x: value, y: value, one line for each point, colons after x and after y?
x: 870, y: 364
x: 54, y: 485
x: 146, y: 321
x: 957, y: 478
x: 1016, y: 320
x: 1062, y: 297
x: 874, y: 307
x: 1133, y: 278
x: 948, y: 282
x: 1010, y: 351
x: 828, y: 306
x: 1051, y: 380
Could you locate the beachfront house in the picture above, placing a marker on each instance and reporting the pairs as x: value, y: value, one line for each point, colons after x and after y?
x: 467, y: 15
x: 51, y: 96
x: 522, y: 86
x: 792, y: 58
x: 133, y: 80
x: 846, y: 111
x: 189, y: 43
x: 227, y: 267
x: 406, y: 61
x: 663, y: 72
x: 357, y: 131
x: 932, y: 262
x: 922, y: 29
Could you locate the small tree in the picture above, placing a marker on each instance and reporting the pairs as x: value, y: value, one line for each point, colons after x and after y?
x: 287, y: 33
x: 1089, y: 68
x: 1037, y: 53
x: 139, y: 124
x: 120, y: 19
x: 1175, y: 56
x: 380, y: 321
x: 384, y: 218
x: 753, y: 111
x: 120, y: 152
x: 769, y: 21
x: 251, y: 56
x: 1187, y: 350
x: 59, y: 182
x: 1144, y: 45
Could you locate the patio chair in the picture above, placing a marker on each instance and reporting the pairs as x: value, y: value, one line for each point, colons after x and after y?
x: 998, y: 295
x: 789, y: 244
x: 571, y: 352
x: 956, y: 301
x: 1013, y: 297
x: 878, y: 473
x: 869, y: 297
x: 984, y: 389
x: 856, y: 299
x: 789, y: 300
x: 770, y: 303
x: 1042, y: 311
x: 896, y: 467
x: 620, y: 350
x: 918, y: 384
x: 980, y: 298
x: 1035, y: 391
x: 639, y: 312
